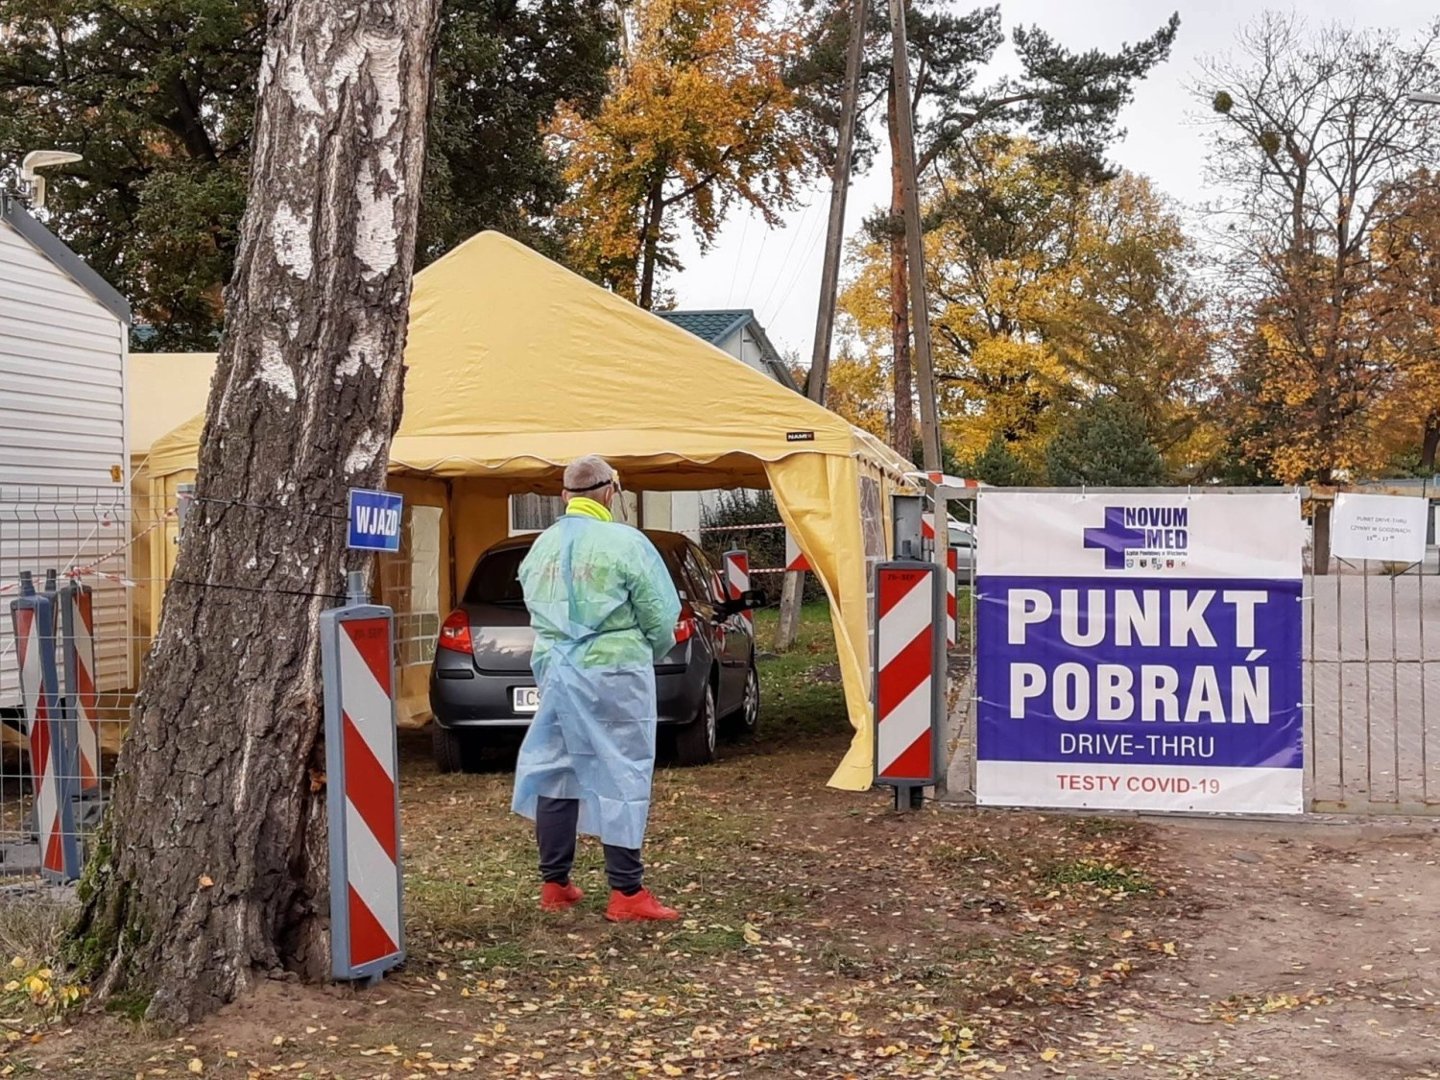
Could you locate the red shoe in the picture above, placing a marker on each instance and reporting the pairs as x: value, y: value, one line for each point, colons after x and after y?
x: 557, y: 897
x: 642, y: 907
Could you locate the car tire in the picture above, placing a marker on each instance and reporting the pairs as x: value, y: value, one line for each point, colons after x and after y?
x: 744, y: 722
x: 448, y: 749
x: 695, y: 742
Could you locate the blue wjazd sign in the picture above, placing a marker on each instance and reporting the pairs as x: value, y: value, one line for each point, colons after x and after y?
x: 375, y: 520
x: 1140, y: 652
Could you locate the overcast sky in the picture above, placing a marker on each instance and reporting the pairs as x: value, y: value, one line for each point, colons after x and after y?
x: 777, y: 271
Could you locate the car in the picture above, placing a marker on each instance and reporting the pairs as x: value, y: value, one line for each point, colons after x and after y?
x: 483, y: 693
x: 962, y: 541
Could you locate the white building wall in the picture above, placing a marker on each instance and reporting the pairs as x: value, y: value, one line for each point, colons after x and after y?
x: 62, y: 432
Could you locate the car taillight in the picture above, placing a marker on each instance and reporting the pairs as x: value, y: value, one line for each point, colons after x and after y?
x: 455, y: 633
x: 685, y: 628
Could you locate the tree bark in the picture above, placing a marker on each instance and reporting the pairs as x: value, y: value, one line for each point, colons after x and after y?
x: 1430, y: 442
x: 650, y: 251
x: 914, y: 239
x: 212, y: 869
x: 902, y: 435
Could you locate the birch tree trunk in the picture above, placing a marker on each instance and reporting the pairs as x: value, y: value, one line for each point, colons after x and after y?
x: 212, y: 871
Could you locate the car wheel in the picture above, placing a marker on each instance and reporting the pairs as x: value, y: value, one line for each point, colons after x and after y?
x: 448, y: 749
x: 745, y: 721
x: 695, y: 742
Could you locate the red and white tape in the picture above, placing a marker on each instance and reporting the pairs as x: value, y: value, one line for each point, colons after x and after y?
x: 81, y: 653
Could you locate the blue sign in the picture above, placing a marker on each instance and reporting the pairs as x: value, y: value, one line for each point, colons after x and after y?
x: 375, y: 520
x: 1140, y: 652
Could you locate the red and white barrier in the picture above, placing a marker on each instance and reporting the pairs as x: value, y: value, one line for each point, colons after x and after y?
x: 78, y: 619
x: 907, y: 674
x: 737, y: 577
x: 34, y: 625
x: 794, y: 558
x: 952, y: 572
x: 365, y: 881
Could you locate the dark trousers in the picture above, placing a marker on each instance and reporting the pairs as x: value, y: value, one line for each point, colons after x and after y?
x: 555, y: 822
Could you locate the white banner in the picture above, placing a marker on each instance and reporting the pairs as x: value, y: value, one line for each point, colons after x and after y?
x: 1390, y: 528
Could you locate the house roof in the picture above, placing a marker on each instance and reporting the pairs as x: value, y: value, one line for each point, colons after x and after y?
x: 13, y: 213
x: 718, y: 325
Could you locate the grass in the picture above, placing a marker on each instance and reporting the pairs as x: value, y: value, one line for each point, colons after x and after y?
x: 801, y: 691
x: 1107, y: 877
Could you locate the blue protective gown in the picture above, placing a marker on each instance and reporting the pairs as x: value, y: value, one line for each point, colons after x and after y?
x: 603, y: 608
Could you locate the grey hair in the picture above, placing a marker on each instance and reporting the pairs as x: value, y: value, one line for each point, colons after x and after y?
x: 587, y: 472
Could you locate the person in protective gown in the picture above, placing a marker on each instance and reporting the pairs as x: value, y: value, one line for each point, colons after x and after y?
x: 604, y: 610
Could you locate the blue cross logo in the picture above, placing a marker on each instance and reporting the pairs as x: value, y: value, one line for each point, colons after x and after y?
x: 1114, y: 538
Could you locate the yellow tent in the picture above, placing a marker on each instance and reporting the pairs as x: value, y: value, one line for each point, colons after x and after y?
x: 161, y: 391
x: 516, y: 366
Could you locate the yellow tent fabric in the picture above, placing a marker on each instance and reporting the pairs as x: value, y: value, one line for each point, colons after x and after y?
x: 516, y: 366
x: 163, y: 390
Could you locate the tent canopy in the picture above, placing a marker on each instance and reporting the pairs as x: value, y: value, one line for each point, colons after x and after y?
x: 516, y: 366
x: 163, y: 390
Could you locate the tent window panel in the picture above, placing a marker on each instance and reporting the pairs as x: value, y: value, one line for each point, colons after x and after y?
x: 534, y: 513
x: 410, y: 586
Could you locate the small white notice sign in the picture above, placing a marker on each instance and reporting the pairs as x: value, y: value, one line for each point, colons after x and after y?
x: 1390, y: 528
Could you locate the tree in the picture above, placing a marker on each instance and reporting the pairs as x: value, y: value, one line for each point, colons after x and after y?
x: 698, y: 118
x: 999, y: 465
x: 1406, y: 249
x: 1102, y: 444
x: 1048, y: 290
x: 213, y: 865
x: 156, y: 204
x: 1067, y: 101
x: 1311, y: 132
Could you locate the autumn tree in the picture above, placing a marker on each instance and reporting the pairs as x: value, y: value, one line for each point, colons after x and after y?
x: 1066, y: 101
x: 1312, y: 132
x: 156, y: 204
x: 1048, y: 290
x: 212, y: 870
x: 1405, y: 247
x: 698, y: 118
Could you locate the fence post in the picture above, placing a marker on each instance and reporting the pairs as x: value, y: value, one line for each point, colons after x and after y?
x: 32, y: 616
x: 363, y: 797
x: 77, y: 620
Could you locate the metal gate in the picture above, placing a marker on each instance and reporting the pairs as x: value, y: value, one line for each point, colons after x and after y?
x: 1371, y: 675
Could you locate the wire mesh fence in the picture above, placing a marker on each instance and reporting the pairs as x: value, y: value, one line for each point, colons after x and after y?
x: 1371, y: 676
x: 117, y: 549
x: 77, y: 547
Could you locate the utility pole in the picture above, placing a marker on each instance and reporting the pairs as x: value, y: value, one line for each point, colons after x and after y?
x: 792, y: 590
x: 914, y: 240
x: 839, y: 188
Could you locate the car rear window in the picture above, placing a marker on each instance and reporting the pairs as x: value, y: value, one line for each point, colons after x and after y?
x: 496, y: 579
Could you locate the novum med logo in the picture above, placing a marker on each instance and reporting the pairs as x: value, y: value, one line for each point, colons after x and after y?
x: 1143, y: 537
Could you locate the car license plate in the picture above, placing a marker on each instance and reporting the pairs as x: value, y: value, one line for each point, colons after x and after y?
x: 527, y: 699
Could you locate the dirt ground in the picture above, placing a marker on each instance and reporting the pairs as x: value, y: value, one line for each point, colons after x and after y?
x: 826, y: 936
